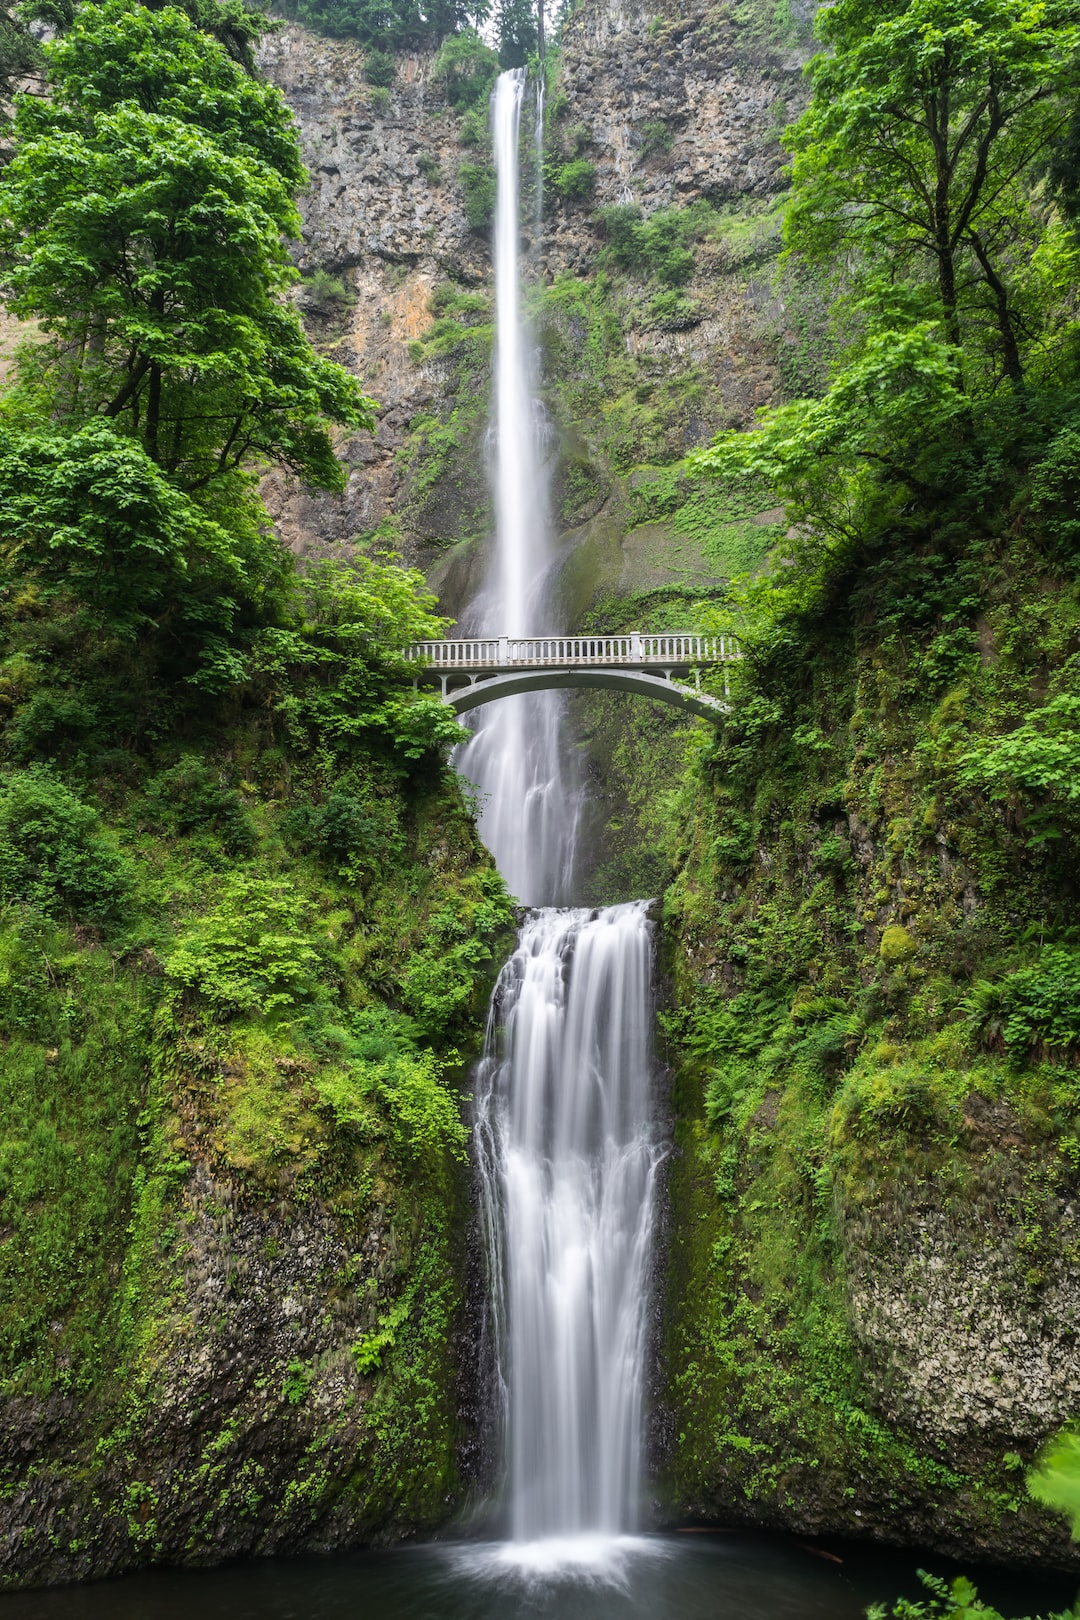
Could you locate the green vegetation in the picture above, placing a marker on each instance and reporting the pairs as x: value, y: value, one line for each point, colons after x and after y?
x: 388, y: 25
x: 478, y: 184
x: 872, y: 920
x: 380, y: 69
x: 575, y: 181
x: 397, y: 25
x: 659, y: 245
x: 466, y: 68
x: 1056, y: 1481
x: 949, y: 1600
x: 247, y: 930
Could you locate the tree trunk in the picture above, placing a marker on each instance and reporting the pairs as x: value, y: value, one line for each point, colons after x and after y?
x: 938, y: 112
x: 153, y: 411
x: 1010, y: 349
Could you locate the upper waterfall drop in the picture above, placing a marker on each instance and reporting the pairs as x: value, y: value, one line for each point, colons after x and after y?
x: 518, y: 756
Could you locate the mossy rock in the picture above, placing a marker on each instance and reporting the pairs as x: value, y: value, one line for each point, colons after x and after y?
x: 897, y: 945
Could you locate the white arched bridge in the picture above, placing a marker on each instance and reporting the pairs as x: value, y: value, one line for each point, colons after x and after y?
x: 666, y: 666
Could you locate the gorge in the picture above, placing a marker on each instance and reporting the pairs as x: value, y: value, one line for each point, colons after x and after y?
x: 770, y: 1218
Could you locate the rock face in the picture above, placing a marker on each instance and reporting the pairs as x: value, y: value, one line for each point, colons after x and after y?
x: 384, y: 223
x: 221, y: 1457
x: 667, y: 111
x: 963, y: 1345
x: 675, y: 106
x: 253, y: 1425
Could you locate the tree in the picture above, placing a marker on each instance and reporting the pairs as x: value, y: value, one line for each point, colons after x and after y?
x: 21, y: 56
x: 467, y: 67
x: 144, y: 213
x: 238, y: 25
x: 389, y: 24
x: 516, y: 31
x: 927, y: 122
x: 89, y: 518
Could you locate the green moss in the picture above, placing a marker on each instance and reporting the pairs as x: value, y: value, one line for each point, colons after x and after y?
x: 284, y: 1034
x: 896, y: 945
x: 837, y: 888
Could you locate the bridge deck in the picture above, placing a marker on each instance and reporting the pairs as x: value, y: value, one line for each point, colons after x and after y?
x: 496, y: 654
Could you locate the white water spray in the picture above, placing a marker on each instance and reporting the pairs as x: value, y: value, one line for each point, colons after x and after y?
x: 517, y: 756
x: 568, y: 1165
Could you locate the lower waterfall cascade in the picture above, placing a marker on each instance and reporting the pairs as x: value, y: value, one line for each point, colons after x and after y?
x: 568, y: 1161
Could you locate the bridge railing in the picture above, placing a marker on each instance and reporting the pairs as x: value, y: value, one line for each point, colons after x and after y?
x: 517, y: 651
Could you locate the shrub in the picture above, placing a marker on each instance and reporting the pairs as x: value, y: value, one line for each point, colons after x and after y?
x: 55, y: 853
x: 250, y: 953
x: 323, y: 287
x: 657, y: 246
x: 655, y: 137
x: 442, y: 979
x: 466, y: 68
x: 49, y: 724
x: 895, y: 1099
x: 478, y: 184
x: 338, y: 831
x: 297, y: 1384
x: 189, y: 796
x: 429, y: 167
x: 1055, y: 491
x: 671, y: 311
x: 380, y: 69
x: 1034, y: 1009
x: 473, y: 130
x: 1040, y: 760
x: 344, y: 827
x: 575, y: 181
x: 425, y: 1117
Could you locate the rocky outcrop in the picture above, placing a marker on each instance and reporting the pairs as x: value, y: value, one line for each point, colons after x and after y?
x: 968, y: 1336
x: 667, y: 111
x: 252, y: 1426
x: 384, y: 224
x: 673, y: 107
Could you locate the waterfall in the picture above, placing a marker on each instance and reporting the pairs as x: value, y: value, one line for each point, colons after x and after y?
x: 568, y: 1160
x: 518, y: 756
x: 565, y: 1144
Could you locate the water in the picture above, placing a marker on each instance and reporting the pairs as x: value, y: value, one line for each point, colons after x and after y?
x: 679, y: 1577
x: 568, y: 1158
x: 518, y: 756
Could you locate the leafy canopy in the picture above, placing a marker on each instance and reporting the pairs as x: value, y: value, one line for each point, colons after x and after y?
x: 144, y: 213
x: 332, y: 668
x: 144, y: 217
x: 237, y: 25
x: 388, y: 24
x: 918, y: 190
x: 90, y: 518
x: 926, y: 119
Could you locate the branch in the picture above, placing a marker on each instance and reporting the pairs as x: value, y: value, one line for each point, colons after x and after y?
x: 134, y: 379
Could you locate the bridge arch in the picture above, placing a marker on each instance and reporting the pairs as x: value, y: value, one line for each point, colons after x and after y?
x: 487, y: 689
